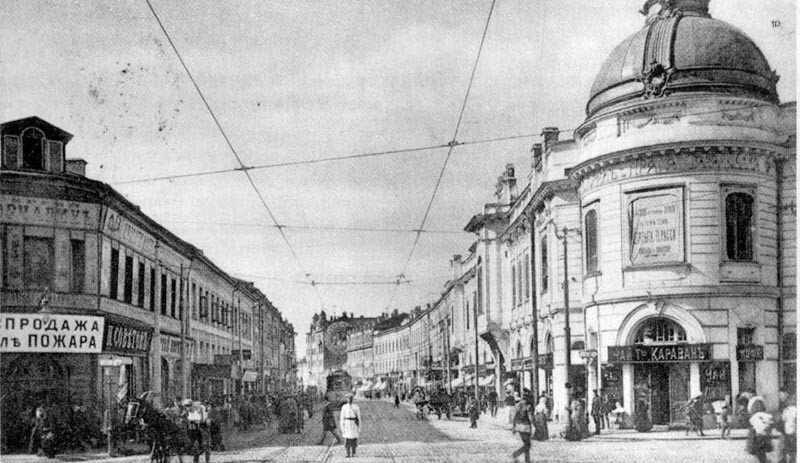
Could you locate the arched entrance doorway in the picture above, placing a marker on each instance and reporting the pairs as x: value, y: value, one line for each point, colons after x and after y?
x: 661, y: 386
x: 30, y: 381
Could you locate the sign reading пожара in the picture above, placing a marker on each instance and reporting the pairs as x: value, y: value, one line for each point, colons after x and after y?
x: 34, y: 332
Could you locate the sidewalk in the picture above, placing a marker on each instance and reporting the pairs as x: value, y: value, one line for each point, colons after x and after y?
x: 615, y: 435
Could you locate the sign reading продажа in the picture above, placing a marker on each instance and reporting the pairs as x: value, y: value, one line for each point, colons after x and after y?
x: 660, y: 354
x: 34, y: 332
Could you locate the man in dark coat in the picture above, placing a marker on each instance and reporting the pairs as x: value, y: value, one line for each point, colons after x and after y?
x: 329, y: 423
x: 597, y: 412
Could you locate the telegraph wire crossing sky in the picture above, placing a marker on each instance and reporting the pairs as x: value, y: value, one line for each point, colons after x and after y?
x: 297, y: 85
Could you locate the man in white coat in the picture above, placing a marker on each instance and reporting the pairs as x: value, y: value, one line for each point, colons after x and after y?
x: 349, y: 423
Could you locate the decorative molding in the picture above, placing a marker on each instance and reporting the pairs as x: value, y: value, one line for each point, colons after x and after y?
x: 666, y: 159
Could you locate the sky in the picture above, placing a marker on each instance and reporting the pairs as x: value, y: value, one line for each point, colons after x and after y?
x: 304, y: 80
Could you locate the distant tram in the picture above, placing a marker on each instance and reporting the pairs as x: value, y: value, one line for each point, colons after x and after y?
x: 339, y: 384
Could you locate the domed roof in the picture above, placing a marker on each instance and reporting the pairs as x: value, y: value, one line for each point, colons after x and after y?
x: 682, y: 49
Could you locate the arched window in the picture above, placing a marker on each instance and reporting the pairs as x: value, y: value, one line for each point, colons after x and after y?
x: 590, y: 229
x: 660, y: 331
x: 33, y: 149
x: 739, y: 226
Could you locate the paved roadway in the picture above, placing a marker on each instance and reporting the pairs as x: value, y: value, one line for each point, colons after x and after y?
x: 395, y: 435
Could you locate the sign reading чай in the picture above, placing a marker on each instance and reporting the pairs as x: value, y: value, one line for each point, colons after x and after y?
x: 34, y: 332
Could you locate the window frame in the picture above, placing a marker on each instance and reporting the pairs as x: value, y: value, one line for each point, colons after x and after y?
x: 591, y: 208
x: 544, y: 264
x: 726, y: 190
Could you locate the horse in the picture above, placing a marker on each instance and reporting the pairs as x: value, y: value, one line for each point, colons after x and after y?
x: 169, y: 435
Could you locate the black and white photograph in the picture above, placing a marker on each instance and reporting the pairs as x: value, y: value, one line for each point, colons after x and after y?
x: 398, y: 231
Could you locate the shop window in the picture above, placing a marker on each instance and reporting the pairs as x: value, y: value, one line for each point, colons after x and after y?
x: 33, y: 143
x: 747, y: 369
x: 38, y: 262
x: 140, y: 285
x: 78, y: 264
x: 739, y: 224
x: 590, y: 230
x: 545, y: 267
x: 127, y: 288
x: 660, y: 331
x: 113, y: 276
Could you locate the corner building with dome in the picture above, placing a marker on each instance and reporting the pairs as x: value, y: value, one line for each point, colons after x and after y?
x: 678, y: 198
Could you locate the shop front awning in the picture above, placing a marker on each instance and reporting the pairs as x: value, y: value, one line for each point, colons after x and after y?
x: 250, y: 376
x: 458, y: 382
x: 487, y: 381
x: 381, y: 386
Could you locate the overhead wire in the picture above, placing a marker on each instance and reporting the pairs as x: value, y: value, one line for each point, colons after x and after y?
x: 232, y: 149
x: 453, y: 143
x: 322, y: 227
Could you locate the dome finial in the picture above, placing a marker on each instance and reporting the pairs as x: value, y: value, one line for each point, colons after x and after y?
x: 696, y: 6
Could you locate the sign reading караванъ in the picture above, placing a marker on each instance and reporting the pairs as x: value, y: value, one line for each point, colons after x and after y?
x: 35, y: 332
x: 660, y: 353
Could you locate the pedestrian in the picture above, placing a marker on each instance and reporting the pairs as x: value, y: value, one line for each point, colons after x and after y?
x: 349, y: 422
x: 759, y: 442
x: 396, y: 400
x: 329, y: 423
x: 42, y: 438
x: 541, y: 412
x: 722, y: 410
x: 694, y: 415
x: 597, y: 412
x: 473, y: 410
x: 788, y: 428
x: 493, y: 403
x: 522, y: 424
x: 642, y: 419
x: 608, y: 408
x: 509, y: 403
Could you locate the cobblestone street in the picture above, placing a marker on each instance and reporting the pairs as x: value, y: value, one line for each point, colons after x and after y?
x: 396, y: 435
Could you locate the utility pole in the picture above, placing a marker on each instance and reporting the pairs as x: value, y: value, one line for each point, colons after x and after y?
x: 475, y: 322
x: 261, y: 345
x: 534, y: 315
x: 447, y: 353
x: 567, y: 333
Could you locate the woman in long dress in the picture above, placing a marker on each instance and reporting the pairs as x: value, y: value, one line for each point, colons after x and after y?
x: 349, y: 423
x: 540, y: 420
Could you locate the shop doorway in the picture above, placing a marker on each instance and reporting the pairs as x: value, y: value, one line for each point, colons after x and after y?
x: 663, y: 388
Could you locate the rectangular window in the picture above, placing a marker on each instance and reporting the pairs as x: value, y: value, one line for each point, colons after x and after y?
x: 113, y: 275
x: 747, y: 369
x: 513, y: 284
x: 173, y: 293
x: 194, y: 301
x: 152, y: 290
x: 520, y: 289
x: 213, y: 309
x: 466, y: 312
x: 479, y: 303
x: 544, y: 265
x: 744, y: 336
x: 38, y: 262
x: 127, y: 289
x: 78, y: 265
x: 163, y: 294
x: 181, y: 300
x: 140, y: 286
x: 527, y: 281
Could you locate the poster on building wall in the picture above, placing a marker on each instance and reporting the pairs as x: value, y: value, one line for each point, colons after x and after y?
x: 50, y: 333
x: 655, y: 227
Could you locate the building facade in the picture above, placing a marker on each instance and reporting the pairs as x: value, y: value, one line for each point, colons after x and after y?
x: 96, y: 296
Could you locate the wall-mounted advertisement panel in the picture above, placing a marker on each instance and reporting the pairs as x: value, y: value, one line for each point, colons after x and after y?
x: 51, y: 333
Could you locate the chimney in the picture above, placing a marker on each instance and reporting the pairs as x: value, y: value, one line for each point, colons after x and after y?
x: 537, y: 156
x: 76, y: 166
x: 456, y: 264
x: 550, y: 136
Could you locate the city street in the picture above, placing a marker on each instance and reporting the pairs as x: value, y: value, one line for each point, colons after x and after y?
x: 396, y: 435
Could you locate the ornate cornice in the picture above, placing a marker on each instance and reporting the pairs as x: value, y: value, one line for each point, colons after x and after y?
x: 758, y: 158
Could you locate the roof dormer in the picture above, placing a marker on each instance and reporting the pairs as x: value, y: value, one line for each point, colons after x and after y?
x: 33, y: 144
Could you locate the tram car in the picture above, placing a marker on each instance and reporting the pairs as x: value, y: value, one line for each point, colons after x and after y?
x: 339, y: 384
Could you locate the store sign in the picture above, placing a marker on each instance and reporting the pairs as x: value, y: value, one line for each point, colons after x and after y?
x: 117, y: 227
x: 655, y: 225
x: 48, y: 212
x: 660, y: 354
x: 516, y: 364
x: 749, y: 353
x: 34, y: 332
x: 127, y: 340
